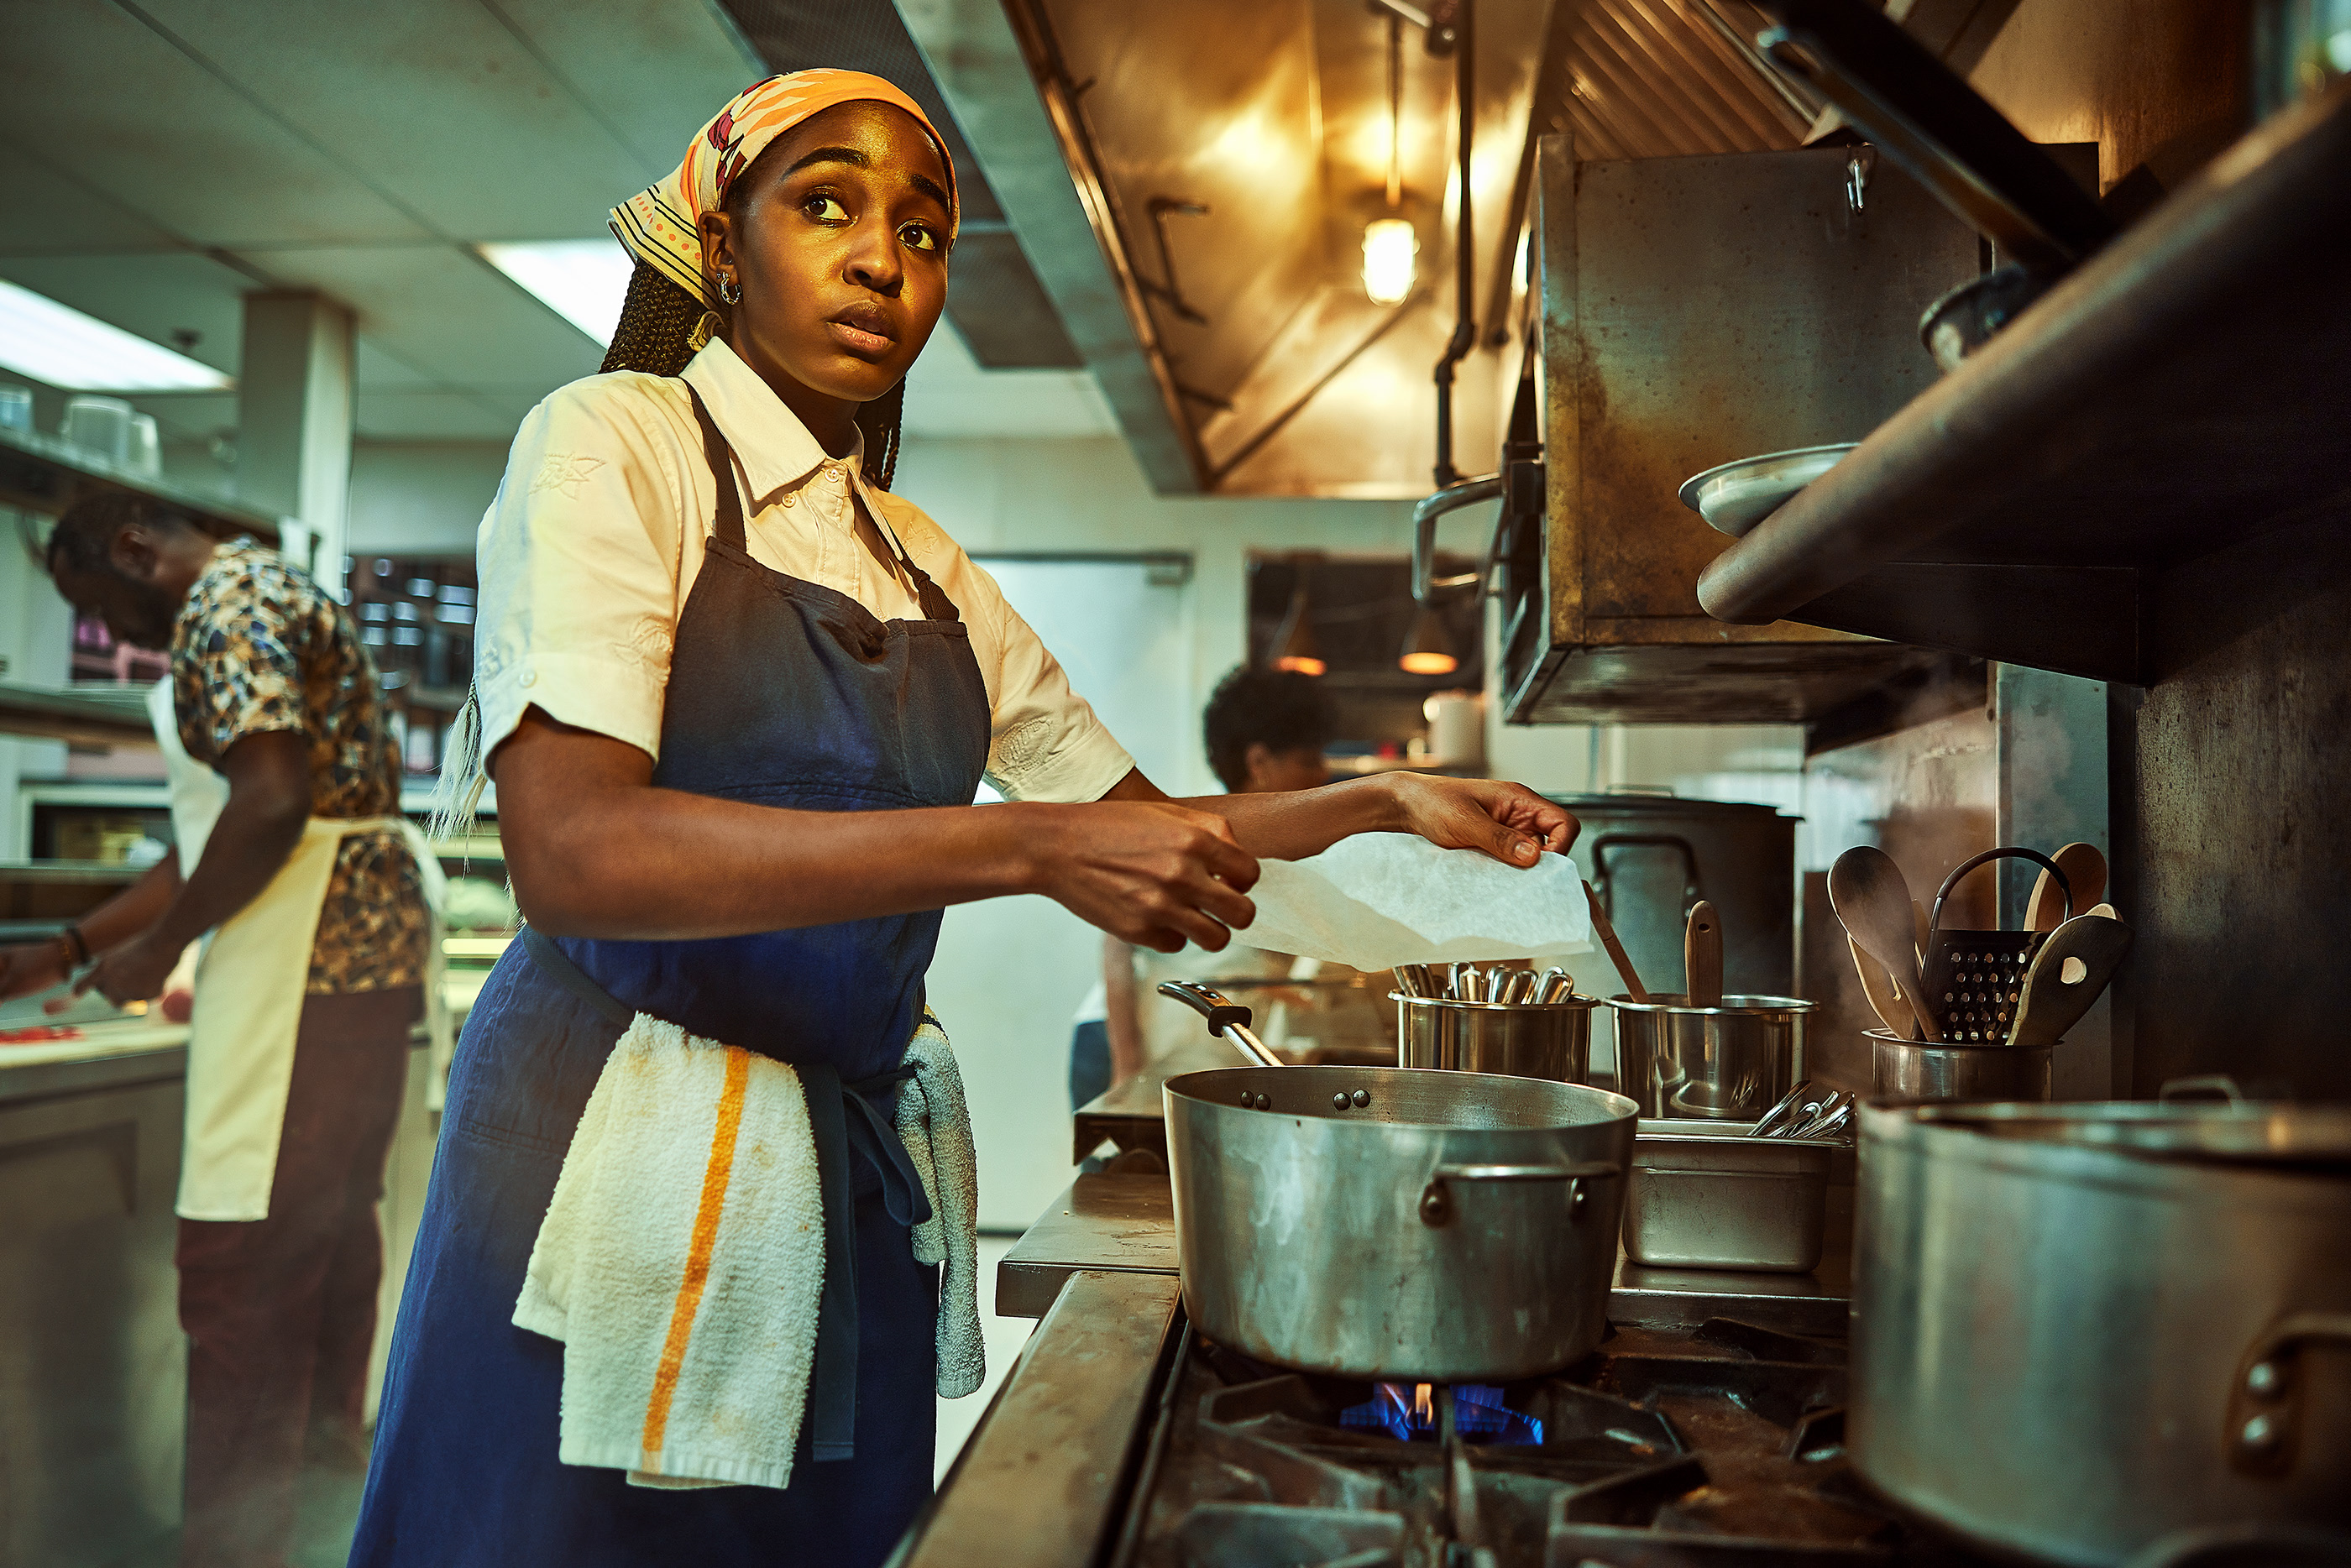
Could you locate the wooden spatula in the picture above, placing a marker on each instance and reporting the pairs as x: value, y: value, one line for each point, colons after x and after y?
x: 2068, y: 975
x: 2085, y: 874
x: 1617, y: 954
x: 1884, y: 996
x: 1870, y: 896
x: 1702, y: 956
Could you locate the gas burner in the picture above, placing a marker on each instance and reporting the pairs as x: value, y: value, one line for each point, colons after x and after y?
x: 1718, y: 1447
x: 1407, y: 1411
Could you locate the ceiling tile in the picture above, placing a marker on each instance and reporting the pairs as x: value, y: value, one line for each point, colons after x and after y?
x: 432, y: 101
x: 446, y: 314
x: 430, y: 416
x: 96, y: 93
x: 44, y: 211
x: 153, y: 293
x: 656, y: 70
x: 375, y: 370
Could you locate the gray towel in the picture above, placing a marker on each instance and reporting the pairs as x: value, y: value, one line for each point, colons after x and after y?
x: 936, y: 1127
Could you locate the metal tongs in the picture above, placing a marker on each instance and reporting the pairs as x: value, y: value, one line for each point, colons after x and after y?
x: 1804, y: 1112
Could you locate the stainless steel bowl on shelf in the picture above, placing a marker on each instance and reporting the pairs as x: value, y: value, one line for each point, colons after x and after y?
x: 1525, y: 1040
x: 1730, y: 1062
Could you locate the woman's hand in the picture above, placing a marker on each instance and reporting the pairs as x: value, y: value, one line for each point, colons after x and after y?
x: 1155, y: 875
x: 1508, y: 821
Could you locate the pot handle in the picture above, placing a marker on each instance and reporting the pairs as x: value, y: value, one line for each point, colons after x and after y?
x: 2265, y: 1404
x: 1436, y: 1199
x: 1228, y: 1019
x: 2207, y: 1086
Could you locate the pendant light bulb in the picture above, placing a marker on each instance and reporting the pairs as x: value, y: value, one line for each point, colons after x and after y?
x: 1427, y: 649
x: 1389, y: 247
x: 1294, y: 646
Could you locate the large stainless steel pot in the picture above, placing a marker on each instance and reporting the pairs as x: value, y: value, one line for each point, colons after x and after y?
x: 1730, y: 1062
x: 1527, y: 1040
x: 1651, y: 856
x: 2079, y: 1330
x: 1395, y: 1223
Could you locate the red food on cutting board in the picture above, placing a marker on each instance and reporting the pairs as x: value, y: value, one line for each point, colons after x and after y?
x: 39, y: 1034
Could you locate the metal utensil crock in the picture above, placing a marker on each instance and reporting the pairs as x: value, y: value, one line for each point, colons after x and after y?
x: 1911, y: 1070
x: 1726, y: 1063
x: 1527, y: 1039
x: 2072, y: 1351
x: 1389, y: 1222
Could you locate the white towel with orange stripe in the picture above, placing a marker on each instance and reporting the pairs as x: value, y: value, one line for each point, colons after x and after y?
x: 681, y: 1263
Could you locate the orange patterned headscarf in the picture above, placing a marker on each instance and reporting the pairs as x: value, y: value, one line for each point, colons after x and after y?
x: 659, y: 225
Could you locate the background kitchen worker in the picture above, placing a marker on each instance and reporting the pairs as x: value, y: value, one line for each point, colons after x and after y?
x: 737, y: 698
x: 304, y: 999
x: 1265, y: 731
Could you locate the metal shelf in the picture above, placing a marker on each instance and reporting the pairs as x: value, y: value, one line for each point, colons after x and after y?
x: 80, y: 718
x: 42, y: 474
x: 2183, y: 393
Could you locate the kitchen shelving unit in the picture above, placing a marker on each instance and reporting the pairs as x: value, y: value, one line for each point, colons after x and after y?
x: 42, y: 474
x: 2183, y: 399
x: 103, y: 716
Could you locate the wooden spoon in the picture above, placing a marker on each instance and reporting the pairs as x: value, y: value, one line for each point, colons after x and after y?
x: 1615, y: 949
x: 1702, y: 956
x: 2085, y: 873
x: 1884, y: 996
x: 1871, y: 898
x: 2068, y: 975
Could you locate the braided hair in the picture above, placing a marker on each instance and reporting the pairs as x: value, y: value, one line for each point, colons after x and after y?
x: 662, y: 326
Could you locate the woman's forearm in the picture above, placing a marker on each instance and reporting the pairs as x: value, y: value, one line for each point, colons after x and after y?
x: 596, y: 850
x: 1291, y: 825
x: 661, y: 865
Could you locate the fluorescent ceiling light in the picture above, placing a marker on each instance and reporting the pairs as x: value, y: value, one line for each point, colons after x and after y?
x: 584, y: 281
x: 57, y: 344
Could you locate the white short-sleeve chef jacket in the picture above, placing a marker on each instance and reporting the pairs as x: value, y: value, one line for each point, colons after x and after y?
x: 594, y: 541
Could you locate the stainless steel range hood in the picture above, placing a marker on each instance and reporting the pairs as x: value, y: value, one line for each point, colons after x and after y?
x: 1217, y: 159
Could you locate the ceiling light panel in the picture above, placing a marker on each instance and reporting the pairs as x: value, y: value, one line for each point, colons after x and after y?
x: 585, y: 281
x: 60, y: 345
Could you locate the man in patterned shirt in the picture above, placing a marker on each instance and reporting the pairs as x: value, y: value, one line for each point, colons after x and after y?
x: 273, y: 689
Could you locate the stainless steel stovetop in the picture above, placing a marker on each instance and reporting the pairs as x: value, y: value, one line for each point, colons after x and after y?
x: 1720, y: 1446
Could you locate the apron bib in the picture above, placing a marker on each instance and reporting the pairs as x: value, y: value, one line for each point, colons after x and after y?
x: 781, y: 692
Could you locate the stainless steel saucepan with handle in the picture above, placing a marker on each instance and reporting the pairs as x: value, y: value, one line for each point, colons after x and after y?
x: 1408, y: 1224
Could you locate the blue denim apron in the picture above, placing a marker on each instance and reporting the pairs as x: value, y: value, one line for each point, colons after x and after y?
x: 781, y: 692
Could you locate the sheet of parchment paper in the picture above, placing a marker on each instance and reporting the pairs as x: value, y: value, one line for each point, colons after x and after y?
x: 1379, y: 900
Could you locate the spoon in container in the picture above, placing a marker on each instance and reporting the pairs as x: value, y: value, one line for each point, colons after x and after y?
x: 1616, y: 955
x: 2069, y: 973
x: 1702, y: 956
x: 1870, y: 896
x: 2085, y: 874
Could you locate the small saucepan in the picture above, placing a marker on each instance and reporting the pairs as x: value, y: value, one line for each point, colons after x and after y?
x: 1395, y: 1224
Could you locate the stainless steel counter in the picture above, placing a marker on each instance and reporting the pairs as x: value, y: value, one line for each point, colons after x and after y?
x: 1126, y: 1224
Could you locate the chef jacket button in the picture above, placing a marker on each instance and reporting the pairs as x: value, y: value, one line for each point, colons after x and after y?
x: 791, y: 497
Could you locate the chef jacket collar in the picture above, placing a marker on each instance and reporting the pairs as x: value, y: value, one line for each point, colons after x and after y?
x: 776, y: 449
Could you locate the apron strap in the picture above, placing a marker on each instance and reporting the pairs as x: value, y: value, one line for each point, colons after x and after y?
x: 844, y: 1124
x: 728, y: 525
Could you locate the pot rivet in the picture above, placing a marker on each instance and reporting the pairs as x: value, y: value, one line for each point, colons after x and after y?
x: 2263, y: 1381
x: 2261, y: 1432
x: 1264, y: 1101
x: 1363, y: 1098
x: 1339, y: 1101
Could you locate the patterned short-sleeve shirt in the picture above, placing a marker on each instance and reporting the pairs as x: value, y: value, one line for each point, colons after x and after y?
x: 260, y: 648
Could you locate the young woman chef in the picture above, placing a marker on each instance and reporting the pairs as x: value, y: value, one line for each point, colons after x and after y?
x: 736, y: 698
